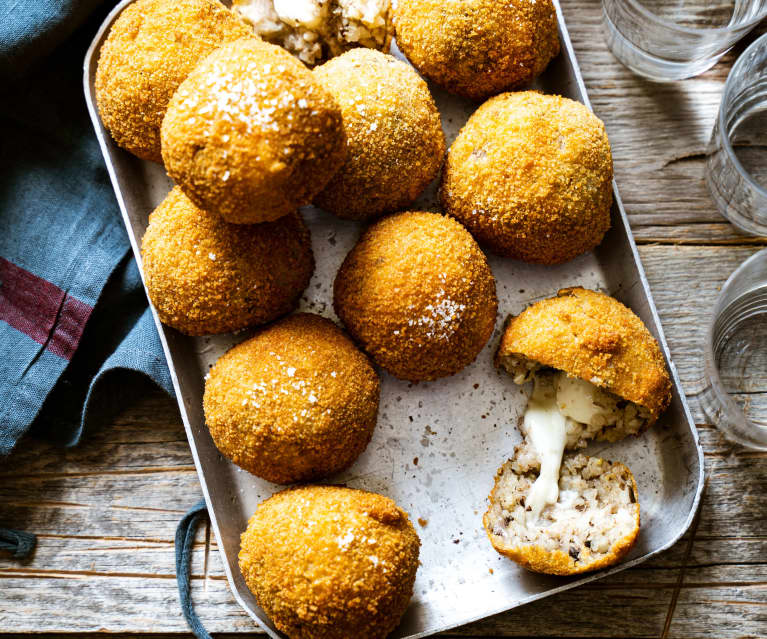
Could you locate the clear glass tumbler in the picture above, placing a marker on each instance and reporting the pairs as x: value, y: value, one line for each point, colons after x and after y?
x: 667, y: 40
x: 735, y: 356
x: 736, y: 167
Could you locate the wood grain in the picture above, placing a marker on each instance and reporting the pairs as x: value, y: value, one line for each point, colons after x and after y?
x: 106, y: 511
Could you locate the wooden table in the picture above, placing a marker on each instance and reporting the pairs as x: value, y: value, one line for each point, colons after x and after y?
x: 106, y: 512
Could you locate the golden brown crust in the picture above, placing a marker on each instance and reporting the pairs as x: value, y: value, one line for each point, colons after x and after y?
x: 394, y: 134
x: 596, y: 338
x: 207, y: 276
x: 477, y: 48
x: 152, y: 46
x: 557, y: 562
x: 295, y: 402
x: 530, y: 175
x: 417, y: 293
x: 251, y: 135
x: 327, y: 562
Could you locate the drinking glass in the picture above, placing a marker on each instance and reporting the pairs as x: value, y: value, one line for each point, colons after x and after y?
x: 735, y: 356
x: 667, y: 40
x: 736, y: 166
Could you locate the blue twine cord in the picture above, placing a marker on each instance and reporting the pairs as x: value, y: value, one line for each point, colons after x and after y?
x: 185, y: 533
x: 19, y: 544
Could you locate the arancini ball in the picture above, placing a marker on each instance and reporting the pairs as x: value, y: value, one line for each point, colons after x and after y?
x: 251, y: 135
x: 418, y: 295
x: 207, y: 276
x: 151, y: 48
x: 296, y: 402
x: 395, y: 144
x: 329, y: 562
x: 477, y: 48
x: 593, y: 524
x: 530, y: 175
x: 595, y: 339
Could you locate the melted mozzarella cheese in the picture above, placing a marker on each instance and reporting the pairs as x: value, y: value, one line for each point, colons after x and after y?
x: 581, y: 401
x: 261, y: 14
x: 545, y: 427
x: 308, y: 14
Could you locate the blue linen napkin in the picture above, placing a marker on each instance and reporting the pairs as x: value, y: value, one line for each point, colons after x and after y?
x: 73, y: 314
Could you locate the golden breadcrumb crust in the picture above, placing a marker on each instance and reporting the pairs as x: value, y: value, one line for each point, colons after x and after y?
x: 417, y: 293
x: 557, y: 562
x: 152, y: 46
x: 530, y: 175
x: 207, y: 276
x: 395, y: 144
x: 594, y: 337
x: 477, y: 48
x: 251, y: 135
x: 295, y: 402
x: 327, y: 562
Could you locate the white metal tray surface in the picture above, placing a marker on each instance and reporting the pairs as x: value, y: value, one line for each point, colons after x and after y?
x: 461, y: 428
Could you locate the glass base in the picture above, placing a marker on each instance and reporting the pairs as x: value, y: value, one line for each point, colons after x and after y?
x: 727, y: 203
x: 649, y: 66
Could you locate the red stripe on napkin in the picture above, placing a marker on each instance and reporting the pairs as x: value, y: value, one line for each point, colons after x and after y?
x: 41, y: 310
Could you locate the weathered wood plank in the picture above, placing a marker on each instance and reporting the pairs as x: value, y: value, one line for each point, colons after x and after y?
x: 658, y: 134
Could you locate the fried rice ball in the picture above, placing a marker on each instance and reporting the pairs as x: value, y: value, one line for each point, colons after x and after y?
x: 295, y: 402
x: 151, y: 47
x: 251, y: 135
x: 592, y: 337
x: 417, y: 293
x: 593, y: 524
x: 530, y: 175
x: 477, y: 48
x: 207, y: 276
x: 328, y: 562
x: 394, y: 134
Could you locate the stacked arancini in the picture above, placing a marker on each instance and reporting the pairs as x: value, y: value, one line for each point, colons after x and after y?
x: 151, y: 48
x: 295, y: 402
x: 417, y: 293
x: 328, y: 562
x: 477, y: 48
x: 530, y: 175
x: 394, y: 134
x: 207, y: 276
x: 250, y: 134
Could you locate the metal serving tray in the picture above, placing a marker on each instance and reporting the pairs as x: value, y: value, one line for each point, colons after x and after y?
x: 437, y: 445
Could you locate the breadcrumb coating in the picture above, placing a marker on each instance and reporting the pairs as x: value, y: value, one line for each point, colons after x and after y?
x: 477, y: 48
x: 594, y: 523
x: 207, y: 276
x: 395, y: 144
x: 530, y: 175
x: 594, y: 337
x: 417, y: 293
x: 251, y: 135
x: 295, y: 402
x: 328, y: 562
x: 151, y: 48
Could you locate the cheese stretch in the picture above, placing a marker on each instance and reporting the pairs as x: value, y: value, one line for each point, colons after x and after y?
x: 546, y: 428
x: 557, y: 398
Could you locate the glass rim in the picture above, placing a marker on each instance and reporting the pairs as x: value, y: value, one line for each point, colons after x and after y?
x: 711, y: 372
x: 692, y: 30
x: 723, y: 133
